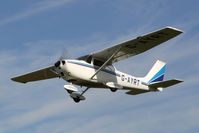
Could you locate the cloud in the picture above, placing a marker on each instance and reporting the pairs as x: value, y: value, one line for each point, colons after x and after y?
x: 36, y: 115
x: 100, y: 117
x: 24, y: 111
x: 128, y: 111
x: 46, y: 107
x: 39, y: 7
x: 63, y: 115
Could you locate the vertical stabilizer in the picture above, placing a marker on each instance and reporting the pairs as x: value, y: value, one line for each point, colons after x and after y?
x: 156, y: 73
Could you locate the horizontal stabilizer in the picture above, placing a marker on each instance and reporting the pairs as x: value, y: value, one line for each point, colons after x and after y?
x: 164, y: 84
x: 136, y: 92
x: 41, y: 74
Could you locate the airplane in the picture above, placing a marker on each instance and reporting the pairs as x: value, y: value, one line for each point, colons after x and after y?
x: 96, y: 70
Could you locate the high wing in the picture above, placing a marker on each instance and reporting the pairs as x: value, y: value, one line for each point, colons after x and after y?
x: 137, y: 46
x: 42, y: 74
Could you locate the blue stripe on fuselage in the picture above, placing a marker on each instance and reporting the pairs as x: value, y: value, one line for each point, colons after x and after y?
x: 94, y: 67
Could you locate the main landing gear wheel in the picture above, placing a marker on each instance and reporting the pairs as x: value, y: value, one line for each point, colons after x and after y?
x: 113, y: 89
x: 77, y: 100
x: 77, y: 97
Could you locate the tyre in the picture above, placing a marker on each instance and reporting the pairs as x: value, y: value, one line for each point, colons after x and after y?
x: 113, y: 89
x: 76, y: 100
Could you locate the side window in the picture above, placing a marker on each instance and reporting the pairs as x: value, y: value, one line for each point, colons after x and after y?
x: 110, y: 68
x: 98, y: 63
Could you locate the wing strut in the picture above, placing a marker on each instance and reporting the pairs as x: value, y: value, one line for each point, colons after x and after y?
x: 112, y: 56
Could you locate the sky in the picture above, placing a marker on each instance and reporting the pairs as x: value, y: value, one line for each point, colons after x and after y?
x: 34, y: 33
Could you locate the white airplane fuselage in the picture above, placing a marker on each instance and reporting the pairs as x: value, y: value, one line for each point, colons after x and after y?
x: 79, y: 72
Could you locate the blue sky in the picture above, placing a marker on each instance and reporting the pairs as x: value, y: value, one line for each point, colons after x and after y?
x: 34, y: 33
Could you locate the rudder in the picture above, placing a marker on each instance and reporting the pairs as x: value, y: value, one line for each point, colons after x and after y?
x: 156, y: 73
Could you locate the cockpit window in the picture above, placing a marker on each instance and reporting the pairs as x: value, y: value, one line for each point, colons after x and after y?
x: 98, y: 62
x: 86, y: 58
x: 110, y: 68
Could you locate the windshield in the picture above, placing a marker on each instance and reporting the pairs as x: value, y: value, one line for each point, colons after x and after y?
x: 86, y: 58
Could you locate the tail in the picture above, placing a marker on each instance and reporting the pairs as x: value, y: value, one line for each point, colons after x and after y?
x: 156, y: 74
x: 154, y: 79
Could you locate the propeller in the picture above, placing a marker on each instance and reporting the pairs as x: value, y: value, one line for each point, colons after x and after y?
x: 64, y: 55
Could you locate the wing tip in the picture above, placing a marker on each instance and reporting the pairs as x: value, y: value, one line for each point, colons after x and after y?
x: 175, y: 29
x: 15, y: 80
x: 179, y: 80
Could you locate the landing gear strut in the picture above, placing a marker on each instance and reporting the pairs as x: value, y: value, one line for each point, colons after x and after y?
x: 73, y: 91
